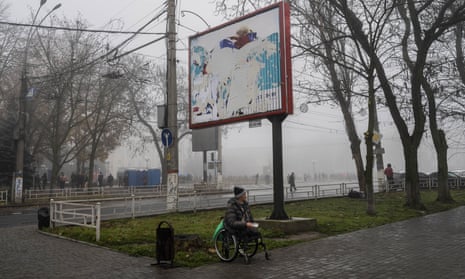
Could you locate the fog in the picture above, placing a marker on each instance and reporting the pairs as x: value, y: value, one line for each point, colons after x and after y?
x: 313, y: 142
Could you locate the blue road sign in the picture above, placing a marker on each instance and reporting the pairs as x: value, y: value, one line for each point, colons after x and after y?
x: 166, y: 137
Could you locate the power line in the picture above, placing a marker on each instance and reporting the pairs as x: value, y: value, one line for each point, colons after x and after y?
x: 136, y: 49
x: 115, y: 49
x: 316, y: 127
x: 80, y: 29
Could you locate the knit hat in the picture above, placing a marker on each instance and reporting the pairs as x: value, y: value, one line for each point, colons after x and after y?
x: 238, y: 192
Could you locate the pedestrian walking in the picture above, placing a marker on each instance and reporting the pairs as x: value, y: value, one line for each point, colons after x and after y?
x: 62, y: 180
x: 292, y: 187
x: 100, y: 179
x: 44, y: 180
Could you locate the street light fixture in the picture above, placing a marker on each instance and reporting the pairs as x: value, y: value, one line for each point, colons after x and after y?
x: 21, y: 129
x: 183, y: 13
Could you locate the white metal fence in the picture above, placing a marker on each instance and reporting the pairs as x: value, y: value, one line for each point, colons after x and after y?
x: 69, y: 193
x: 73, y: 213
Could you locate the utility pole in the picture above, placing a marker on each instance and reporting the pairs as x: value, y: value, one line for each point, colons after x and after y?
x: 20, y: 142
x: 20, y: 133
x: 171, y: 152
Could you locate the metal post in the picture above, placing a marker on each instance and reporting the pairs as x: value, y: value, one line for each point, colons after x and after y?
x: 97, y: 223
x: 133, y: 206
x: 219, y: 175
x: 205, y: 174
x: 278, y: 187
x: 52, y: 213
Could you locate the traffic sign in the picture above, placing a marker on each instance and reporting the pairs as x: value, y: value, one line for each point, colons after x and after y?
x: 166, y: 137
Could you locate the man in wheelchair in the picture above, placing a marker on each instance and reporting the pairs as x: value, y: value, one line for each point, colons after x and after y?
x: 239, y: 233
x: 238, y: 218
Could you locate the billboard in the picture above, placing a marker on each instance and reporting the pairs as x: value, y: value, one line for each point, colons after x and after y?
x: 241, y: 70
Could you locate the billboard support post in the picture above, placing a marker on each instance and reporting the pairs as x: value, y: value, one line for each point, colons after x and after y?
x: 278, y: 187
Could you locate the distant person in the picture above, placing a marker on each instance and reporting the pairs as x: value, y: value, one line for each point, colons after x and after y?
x: 110, y: 180
x: 100, y: 179
x: 62, y: 180
x: 389, y: 173
x: 44, y: 180
x: 37, y: 181
x: 292, y: 182
x: 81, y: 180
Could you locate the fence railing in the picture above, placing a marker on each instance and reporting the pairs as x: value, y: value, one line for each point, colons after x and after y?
x: 73, y: 213
x: 312, y: 191
x: 69, y: 193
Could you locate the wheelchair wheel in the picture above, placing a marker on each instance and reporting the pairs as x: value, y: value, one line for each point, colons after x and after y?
x: 226, y: 246
x: 252, y: 247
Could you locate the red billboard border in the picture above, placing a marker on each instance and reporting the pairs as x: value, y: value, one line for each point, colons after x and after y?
x: 286, y: 68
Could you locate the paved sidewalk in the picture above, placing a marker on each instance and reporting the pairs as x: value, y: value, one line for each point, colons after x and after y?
x: 428, y: 247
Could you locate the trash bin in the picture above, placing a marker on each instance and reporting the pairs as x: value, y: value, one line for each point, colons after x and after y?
x: 43, y: 216
x: 165, y: 243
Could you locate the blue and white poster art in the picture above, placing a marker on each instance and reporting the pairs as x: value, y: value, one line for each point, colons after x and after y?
x: 235, y: 71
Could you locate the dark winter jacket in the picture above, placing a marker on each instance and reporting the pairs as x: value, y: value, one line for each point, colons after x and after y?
x: 237, y: 215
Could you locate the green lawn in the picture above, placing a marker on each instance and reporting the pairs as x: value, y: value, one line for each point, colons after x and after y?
x: 334, y: 216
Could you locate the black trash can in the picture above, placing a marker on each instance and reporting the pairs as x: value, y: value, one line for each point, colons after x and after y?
x: 43, y: 216
x: 165, y: 243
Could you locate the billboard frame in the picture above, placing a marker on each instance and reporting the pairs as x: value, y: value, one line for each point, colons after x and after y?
x: 285, y: 71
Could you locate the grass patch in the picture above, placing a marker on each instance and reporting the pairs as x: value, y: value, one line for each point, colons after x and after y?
x: 334, y: 216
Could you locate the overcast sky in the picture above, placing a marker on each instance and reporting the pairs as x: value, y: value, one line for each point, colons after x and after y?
x: 313, y: 141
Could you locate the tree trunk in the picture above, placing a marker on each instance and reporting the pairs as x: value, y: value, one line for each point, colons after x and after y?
x: 411, y: 178
x: 441, y: 151
x: 91, y: 167
x: 345, y: 104
x: 357, y: 156
x: 369, y: 146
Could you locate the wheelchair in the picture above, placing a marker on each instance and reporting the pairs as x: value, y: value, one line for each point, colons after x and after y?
x: 229, y: 245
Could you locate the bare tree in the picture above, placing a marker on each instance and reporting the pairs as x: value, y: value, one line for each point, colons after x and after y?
x: 70, y: 95
x: 324, y: 43
x: 147, y: 89
x: 429, y: 20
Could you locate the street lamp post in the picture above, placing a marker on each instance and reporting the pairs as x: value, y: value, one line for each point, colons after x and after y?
x: 21, y: 128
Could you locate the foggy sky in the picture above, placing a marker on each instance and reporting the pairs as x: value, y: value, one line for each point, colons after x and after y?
x: 312, y: 142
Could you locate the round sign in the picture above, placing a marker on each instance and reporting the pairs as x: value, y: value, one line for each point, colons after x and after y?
x: 304, y: 107
x: 166, y: 137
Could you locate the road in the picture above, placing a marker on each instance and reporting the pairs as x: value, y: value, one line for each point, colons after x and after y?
x: 18, y: 216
